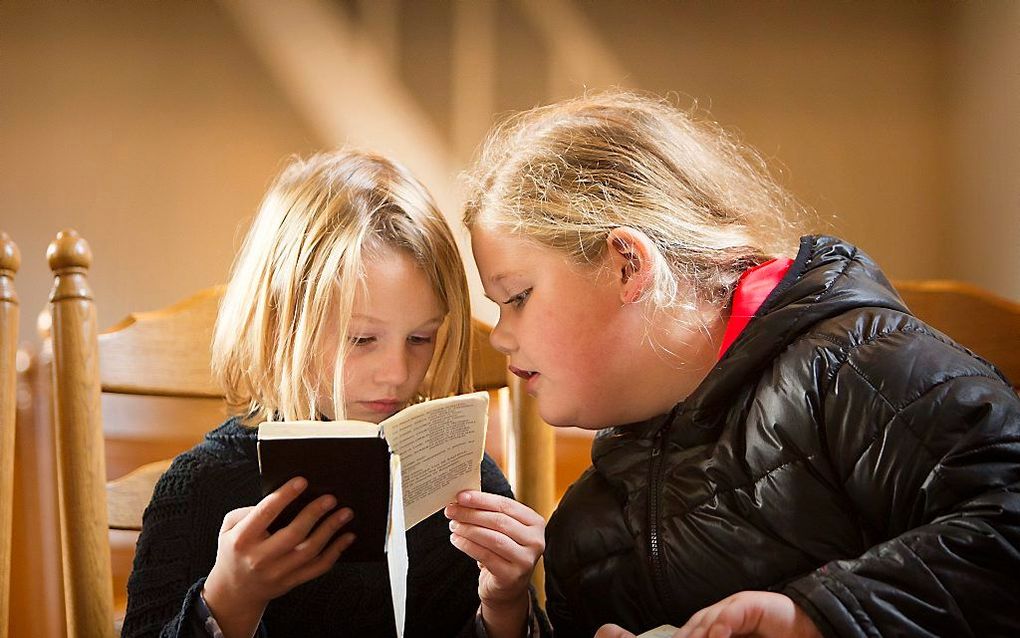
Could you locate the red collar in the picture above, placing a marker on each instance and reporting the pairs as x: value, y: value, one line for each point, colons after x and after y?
x: 754, y: 286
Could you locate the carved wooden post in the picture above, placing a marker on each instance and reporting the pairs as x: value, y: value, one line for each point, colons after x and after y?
x: 536, y: 462
x: 10, y: 259
x: 81, y: 469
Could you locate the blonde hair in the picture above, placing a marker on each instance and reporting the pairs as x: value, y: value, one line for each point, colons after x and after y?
x: 300, y: 265
x: 565, y: 175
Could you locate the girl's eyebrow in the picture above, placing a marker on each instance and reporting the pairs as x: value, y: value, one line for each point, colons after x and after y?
x: 503, y: 275
x: 433, y: 322
x: 497, y: 280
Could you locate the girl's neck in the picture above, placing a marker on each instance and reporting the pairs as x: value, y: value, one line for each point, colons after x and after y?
x: 686, y: 350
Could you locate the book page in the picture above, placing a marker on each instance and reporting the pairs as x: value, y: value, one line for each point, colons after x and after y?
x: 440, y: 444
x: 316, y: 429
x: 396, y: 547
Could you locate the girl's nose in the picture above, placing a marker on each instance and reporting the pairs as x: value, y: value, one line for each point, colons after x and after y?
x: 502, y: 339
x: 394, y: 368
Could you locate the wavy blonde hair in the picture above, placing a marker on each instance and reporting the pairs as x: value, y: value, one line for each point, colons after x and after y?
x: 565, y: 175
x: 301, y: 264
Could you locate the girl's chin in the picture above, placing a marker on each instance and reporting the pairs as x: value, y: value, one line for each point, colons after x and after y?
x: 372, y: 412
x: 365, y: 416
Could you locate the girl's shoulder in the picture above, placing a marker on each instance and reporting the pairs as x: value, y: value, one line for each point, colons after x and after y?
x: 891, y: 343
x: 227, y: 455
x: 493, y: 479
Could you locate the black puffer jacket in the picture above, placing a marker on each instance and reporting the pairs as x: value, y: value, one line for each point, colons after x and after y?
x: 842, y: 452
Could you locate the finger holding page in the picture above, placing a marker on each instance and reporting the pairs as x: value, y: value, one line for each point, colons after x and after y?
x: 506, y: 560
x: 486, y: 502
x: 506, y: 537
x: 511, y: 529
x: 499, y: 521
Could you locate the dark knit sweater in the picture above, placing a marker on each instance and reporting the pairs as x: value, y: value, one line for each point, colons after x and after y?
x: 177, y: 549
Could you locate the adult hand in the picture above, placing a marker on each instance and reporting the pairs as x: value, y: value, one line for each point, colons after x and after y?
x: 253, y: 566
x: 506, y: 538
x: 750, y: 613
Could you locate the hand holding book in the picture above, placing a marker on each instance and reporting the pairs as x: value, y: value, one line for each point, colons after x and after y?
x: 438, y: 444
x: 392, y: 475
x: 506, y: 538
x: 253, y: 566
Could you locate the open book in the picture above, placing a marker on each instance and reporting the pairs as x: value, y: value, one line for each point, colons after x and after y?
x: 392, y: 475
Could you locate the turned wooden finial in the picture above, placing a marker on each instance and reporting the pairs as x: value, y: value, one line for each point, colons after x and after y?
x: 67, y: 251
x: 70, y: 257
x: 78, y: 424
x: 10, y: 256
x: 10, y: 261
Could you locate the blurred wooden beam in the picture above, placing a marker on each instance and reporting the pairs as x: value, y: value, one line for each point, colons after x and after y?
x: 345, y: 87
x: 580, y: 59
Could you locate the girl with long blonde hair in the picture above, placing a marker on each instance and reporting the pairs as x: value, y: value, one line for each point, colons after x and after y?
x: 783, y: 449
x: 348, y: 300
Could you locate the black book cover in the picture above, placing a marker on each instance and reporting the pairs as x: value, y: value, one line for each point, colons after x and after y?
x: 354, y: 470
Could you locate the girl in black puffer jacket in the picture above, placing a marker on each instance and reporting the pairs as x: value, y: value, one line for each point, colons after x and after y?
x: 783, y: 449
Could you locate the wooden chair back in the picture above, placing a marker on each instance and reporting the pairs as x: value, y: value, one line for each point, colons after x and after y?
x: 158, y: 400
x: 128, y: 400
x: 10, y: 260
x: 987, y: 324
x: 37, y: 602
x: 526, y: 441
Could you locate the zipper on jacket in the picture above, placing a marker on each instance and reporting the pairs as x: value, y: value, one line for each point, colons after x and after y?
x: 655, y: 471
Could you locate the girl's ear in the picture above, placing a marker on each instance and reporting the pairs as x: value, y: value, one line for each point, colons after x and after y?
x: 631, y: 255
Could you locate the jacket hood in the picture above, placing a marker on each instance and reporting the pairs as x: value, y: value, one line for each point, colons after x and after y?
x: 828, y: 278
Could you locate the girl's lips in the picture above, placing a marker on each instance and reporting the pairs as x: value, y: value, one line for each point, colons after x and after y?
x: 530, y: 376
x: 524, y: 374
x: 383, y: 407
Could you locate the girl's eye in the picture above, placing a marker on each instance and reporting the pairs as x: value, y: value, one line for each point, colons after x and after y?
x: 419, y: 340
x: 518, y: 300
x: 362, y: 341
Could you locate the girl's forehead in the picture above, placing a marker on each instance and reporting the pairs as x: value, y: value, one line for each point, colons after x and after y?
x: 502, y: 254
x: 498, y: 241
x: 506, y: 258
x: 394, y: 284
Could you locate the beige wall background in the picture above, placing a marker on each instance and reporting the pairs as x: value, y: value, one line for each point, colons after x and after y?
x: 153, y: 128
x: 150, y: 128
